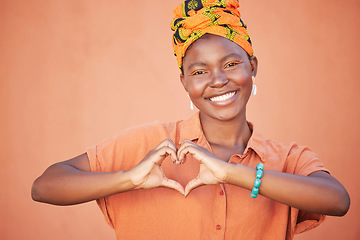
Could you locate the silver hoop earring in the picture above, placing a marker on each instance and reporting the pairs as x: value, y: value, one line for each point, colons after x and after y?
x: 254, y: 88
x: 191, y: 103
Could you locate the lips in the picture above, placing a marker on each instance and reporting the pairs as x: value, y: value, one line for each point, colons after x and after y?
x: 222, y: 97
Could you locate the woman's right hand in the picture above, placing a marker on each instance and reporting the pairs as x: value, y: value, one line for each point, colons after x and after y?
x: 149, y: 174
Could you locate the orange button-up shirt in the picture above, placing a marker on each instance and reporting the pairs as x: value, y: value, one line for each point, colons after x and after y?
x: 221, y: 211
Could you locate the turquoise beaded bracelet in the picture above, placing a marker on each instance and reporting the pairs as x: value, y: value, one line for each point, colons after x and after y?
x: 257, y: 182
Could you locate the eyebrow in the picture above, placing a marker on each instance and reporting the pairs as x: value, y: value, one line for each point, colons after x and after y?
x: 201, y: 64
x: 231, y: 55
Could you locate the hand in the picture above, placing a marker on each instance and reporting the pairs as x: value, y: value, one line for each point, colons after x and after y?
x: 149, y: 174
x: 212, y: 169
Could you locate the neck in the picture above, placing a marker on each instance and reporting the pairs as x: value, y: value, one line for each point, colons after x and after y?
x: 232, y: 133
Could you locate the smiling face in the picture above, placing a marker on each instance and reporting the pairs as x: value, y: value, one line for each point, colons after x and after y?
x: 217, y: 74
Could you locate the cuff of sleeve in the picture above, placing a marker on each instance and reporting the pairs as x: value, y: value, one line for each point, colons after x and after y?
x: 313, y: 220
x: 92, y: 155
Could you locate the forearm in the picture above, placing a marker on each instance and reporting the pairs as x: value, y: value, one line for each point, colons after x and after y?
x: 308, y: 193
x: 65, y: 185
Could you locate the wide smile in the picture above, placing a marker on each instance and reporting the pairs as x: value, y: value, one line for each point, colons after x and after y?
x: 223, y: 98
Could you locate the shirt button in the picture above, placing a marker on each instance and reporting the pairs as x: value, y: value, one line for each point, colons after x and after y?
x: 221, y: 192
x: 218, y: 227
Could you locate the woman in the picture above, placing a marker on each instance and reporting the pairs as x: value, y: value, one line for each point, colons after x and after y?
x: 229, y: 182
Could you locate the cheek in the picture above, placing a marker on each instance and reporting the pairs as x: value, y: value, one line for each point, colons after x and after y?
x: 196, y: 88
x: 245, y: 81
x: 241, y: 78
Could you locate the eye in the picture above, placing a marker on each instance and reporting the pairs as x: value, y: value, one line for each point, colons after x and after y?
x: 198, y: 72
x: 232, y: 64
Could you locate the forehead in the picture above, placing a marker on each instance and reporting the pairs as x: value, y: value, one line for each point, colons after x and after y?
x: 212, y: 47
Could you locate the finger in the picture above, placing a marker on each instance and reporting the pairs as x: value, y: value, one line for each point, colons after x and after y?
x: 168, y: 143
x: 163, y: 152
x: 186, y: 147
x: 182, y: 152
x: 196, y: 182
x: 186, y: 142
x: 169, y: 183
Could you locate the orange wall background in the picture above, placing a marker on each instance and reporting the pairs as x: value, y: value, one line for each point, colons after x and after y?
x: 75, y: 72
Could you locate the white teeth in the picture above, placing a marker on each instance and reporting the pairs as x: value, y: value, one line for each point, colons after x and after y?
x: 222, y: 97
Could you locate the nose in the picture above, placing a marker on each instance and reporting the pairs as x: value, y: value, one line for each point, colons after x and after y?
x: 218, y: 79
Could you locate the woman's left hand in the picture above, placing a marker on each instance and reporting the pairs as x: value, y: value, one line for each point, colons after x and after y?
x: 212, y: 169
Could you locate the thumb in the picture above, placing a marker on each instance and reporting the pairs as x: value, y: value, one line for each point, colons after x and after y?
x: 196, y: 182
x: 169, y: 183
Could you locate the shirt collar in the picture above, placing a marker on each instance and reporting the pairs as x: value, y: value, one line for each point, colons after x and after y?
x: 191, y: 129
x: 257, y: 143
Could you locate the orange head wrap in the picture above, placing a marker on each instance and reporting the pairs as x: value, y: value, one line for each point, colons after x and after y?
x: 195, y: 18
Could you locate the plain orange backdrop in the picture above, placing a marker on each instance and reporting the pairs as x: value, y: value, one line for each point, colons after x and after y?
x: 75, y: 72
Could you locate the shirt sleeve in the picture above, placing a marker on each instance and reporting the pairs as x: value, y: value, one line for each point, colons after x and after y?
x: 95, y: 166
x: 122, y: 152
x: 303, y: 161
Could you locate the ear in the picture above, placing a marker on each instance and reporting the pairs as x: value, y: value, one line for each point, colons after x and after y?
x: 254, y: 65
x: 183, y: 81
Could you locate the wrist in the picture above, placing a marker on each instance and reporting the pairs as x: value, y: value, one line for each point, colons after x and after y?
x: 123, y: 181
x: 241, y: 176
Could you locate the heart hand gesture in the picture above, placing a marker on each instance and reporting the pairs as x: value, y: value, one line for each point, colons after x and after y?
x: 212, y: 169
x: 149, y: 174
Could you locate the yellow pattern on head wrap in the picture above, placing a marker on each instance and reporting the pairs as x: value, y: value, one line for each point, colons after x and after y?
x: 195, y: 18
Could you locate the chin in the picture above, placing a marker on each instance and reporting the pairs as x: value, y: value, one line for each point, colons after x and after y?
x: 226, y: 114
x: 227, y: 117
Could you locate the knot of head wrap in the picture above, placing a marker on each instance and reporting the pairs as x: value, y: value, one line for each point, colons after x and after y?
x: 195, y: 18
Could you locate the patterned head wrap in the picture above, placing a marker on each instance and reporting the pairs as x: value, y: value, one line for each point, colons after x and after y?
x: 195, y: 18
